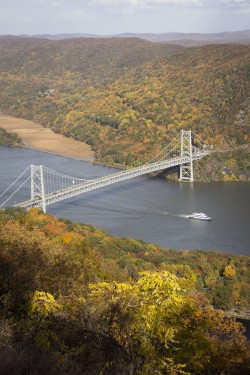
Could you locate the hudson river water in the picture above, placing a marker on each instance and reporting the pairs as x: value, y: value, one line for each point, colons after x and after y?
x: 147, y: 208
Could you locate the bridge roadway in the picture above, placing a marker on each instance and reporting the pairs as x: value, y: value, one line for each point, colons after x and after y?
x: 108, y: 180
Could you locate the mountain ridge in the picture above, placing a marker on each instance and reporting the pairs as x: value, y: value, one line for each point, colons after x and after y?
x: 185, y: 39
x: 128, y: 97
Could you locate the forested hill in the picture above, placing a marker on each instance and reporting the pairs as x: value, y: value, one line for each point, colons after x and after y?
x: 74, y: 300
x: 186, y: 39
x: 127, y: 98
x: 88, y: 60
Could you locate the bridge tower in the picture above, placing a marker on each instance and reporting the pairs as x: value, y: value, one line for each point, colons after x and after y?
x: 186, y: 170
x: 37, y: 184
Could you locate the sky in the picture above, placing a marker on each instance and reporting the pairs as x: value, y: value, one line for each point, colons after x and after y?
x: 108, y: 17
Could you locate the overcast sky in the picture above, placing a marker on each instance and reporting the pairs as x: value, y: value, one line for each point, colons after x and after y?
x: 106, y: 17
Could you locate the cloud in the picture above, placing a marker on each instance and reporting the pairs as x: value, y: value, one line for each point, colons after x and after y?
x: 143, y: 3
x: 78, y: 14
x: 236, y: 1
x: 116, y: 16
x: 133, y: 7
x: 237, y: 6
x: 159, y: 4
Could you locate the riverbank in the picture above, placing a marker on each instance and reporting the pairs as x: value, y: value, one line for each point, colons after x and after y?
x: 37, y: 137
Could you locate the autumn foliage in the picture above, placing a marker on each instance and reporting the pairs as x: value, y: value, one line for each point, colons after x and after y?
x: 128, y: 98
x: 74, y: 300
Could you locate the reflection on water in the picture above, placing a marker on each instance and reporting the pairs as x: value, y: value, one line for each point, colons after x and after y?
x: 147, y: 208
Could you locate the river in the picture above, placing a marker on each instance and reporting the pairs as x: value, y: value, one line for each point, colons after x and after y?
x: 147, y: 208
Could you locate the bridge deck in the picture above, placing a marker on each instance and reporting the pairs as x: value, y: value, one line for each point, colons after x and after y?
x: 108, y: 180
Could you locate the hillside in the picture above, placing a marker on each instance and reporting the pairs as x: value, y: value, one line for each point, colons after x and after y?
x: 127, y: 98
x: 185, y: 39
x: 93, y: 60
x: 74, y: 300
x: 196, y: 39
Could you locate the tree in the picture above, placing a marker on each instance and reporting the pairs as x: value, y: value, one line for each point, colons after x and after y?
x: 229, y: 271
x: 166, y: 331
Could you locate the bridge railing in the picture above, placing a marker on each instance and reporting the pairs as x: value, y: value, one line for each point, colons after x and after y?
x: 48, y: 186
x: 100, y: 182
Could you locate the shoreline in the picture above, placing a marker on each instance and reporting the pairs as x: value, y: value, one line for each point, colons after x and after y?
x: 38, y: 138
x: 28, y: 147
x: 87, y: 159
x: 28, y: 130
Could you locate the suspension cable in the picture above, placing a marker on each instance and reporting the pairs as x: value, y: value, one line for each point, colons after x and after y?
x: 5, y: 191
x: 63, y: 175
x: 27, y: 179
x: 202, y: 140
x: 165, y: 149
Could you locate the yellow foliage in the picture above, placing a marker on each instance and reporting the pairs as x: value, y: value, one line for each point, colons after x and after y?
x: 229, y: 271
x: 43, y: 304
x: 68, y: 237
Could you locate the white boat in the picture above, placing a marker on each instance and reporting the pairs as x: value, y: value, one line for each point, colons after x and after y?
x: 199, y: 216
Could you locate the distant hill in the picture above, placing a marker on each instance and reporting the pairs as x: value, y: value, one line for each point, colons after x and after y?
x: 194, y: 39
x: 184, y: 39
x: 96, y: 60
x: 128, y: 97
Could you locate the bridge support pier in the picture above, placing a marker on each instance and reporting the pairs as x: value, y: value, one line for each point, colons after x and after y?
x: 37, y: 184
x: 186, y: 170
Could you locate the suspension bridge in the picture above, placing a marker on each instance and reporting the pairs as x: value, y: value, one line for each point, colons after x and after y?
x: 48, y: 186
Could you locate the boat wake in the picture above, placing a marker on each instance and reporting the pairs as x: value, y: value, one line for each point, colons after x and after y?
x: 176, y: 215
x: 183, y: 215
x: 194, y: 215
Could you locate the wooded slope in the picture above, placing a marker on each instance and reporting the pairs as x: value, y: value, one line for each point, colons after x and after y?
x: 74, y: 300
x: 94, y: 60
x: 127, y: 98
